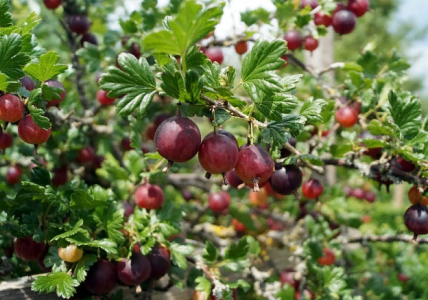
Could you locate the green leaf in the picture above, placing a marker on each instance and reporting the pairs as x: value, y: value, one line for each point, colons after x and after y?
x: 352, y: 66
x: 83, y: 265
x: 237, y: 251
x: 179, y: 253
x: 191, y: 24
x: 31, y: 22
x: 76, y: 229
x: 377, y: 128
x: 129, y: 26
x: 111, y: 220
x: 372, y: 143
x: 420, y: 138
x: 260, y: 64
x: 289, y: 82
x: 62, y: 283
x: 40, y: 176
x: 51, y: 93
x: 243, y: 215
x: 5, y: 15
x: 38, y: 117
x: 46, y: 68
x: 251, y: 17
x: 107, y: 245
x: 405, y: 113
x: 311, y: 109
x: 136, y: 81
x: 3, y: 82
x: 287, y: 293
x: 210, y: 252
x: 276, y: 131
x: 12, y: 61
x: 53, y: 260
x: 203, y: 285
x: 221, y: 116
x: 92, y: 56
x: 315, y: 160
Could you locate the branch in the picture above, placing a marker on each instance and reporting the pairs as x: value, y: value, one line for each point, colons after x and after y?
x: 185, y: 180
x: 388, y: 239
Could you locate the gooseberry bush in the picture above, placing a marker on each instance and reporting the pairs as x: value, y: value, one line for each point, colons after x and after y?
x: 144, y: 162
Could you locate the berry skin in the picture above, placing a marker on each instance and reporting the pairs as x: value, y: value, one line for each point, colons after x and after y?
x: 219, y: 202
x: 254, y: 165
x: 126, y: 144
x: 344, y: 22
x: 340, y: 6
x: 346, y: 116
x: 13, y: 175
x: 177, y: 139
x: 258, y: 198
x: 85, y: 155
x: 405, y: 165
x: 40, y: 261
x: 57, y: 84
x: 328, y: 258
x: 233, y: 178
x: 309, y: 43
x: 321, y: 18
x: 128, y: 209
x: 52, y: 4
x: 103, y: 99
x: 6, y: 140
x: 88, y: 38
x: 224, y: 132
x: 288, y: 277
x: 149, y: 196
x: 160, y: 261
x: 101, y: 278
x: 347, y: 190
x: 79, y: 24
x: 135, y: 50
x: 374, y: 153
x: 358, y: 193
x: 416, y: 219
x: 312, y: 188
x: 415, y: 196
x: 215, y: 54
x: 70, y: 253
x: 286, y: 180
x: 294, y: 39
x: 134, y: 271
x: 11, y: 108
x: 239, y: 227
x: 60, y: 176
x: 187, y: 195
x: 151, y: 131
x: 312, y: 3
x: 403, y: 278
x: 27, y: 83
x: 218, y: 154
x: 27, y: 249
x: 160, y: 118
x: 358, y: 7
x: 241, y: 47
x: 370, y: 197
x: 284, y: 151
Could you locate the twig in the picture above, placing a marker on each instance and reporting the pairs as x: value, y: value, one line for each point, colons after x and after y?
x: 388, y: 239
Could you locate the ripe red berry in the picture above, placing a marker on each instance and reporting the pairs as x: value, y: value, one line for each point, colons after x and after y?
x: 215, y: 54
x: 135, y: 50
x: 340, y: 6
x: 187, y: 194
x: 223, y: 132
x: 101, y: 278
x: 103, y: 99
x: 13, y: 175
x: 347, y: 190
x: 27, y: 83
x: 98, y: 160
x: 312, y: 3
x: 241, y: 47
x: 177, y: 139
x: 149, y: 196
x: 346, y: 116
x: 52, y: 4
x: 239, y: 227
x: 60, y: 175
x: 40, y: 261
x: 254, y: 165
x: 128, y: 209
x: 374, y: 153
x: 285, y: 57
x: 31, y: 133
x: 328, y: 258
x: 358, y: 193
x: 312, y: 188
x: 403, y: 278
x: 126, y: 144
x: 160, y: 118
x: 6, y: 140
x: 321, y: 18
x: 288, y: 277
x: 135, y: 270
x: 219, y: 202
x: 79, y: 24
x: 284, y: 151
x: 151, y: 131
x: 405, y: 165
x: 86, y: 155
x: 370, y: 197
x: 11, y: 108
x: 416, y: 219
x: 309, y: 43
x: 344, y: 22
x: 233, y: 178
x: 218, y: 154
x: 285, y: 180
x: 28, y: 249
x: 160, y: 261
x: 358, y: 7
x: 294, y: 39
x: 88, y: 38
x: 57, y: 84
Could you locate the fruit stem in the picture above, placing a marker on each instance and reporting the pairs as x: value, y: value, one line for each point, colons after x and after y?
x: 250, y: 136
x: 207, y: 175
x: 179, y: 109
x: 1, y: 132
x: 168, y: 166
x: 296, y: 194
x: 225, y: 182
